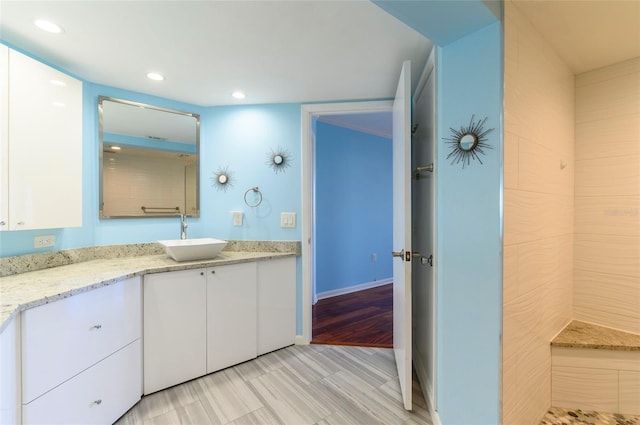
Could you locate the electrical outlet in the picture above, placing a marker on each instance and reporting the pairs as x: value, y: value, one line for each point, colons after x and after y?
x: 44, y: 241
x: 374, y: 257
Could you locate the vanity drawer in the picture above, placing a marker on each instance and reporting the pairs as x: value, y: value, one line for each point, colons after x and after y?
x: 99, y: 395
x: 63, y: 338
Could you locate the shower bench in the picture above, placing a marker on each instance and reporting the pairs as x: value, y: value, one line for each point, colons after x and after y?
x: 596, y: 368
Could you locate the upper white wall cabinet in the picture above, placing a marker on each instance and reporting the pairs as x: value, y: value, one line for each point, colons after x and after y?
x: 4, y: 137
x: 41, y: 175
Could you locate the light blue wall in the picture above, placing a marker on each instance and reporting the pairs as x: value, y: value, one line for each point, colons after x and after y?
x: 353, y: 207
x: 470, y: 234
x: 443, y: 21
x: 242, y: 138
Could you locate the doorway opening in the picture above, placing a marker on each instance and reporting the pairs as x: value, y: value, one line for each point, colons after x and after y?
x: 344, y: 295
x: 353, y: 229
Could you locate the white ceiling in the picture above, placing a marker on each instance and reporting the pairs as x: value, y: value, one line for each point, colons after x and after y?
x: 587, y: 34
x: 376, y: 123
x: 283, y: 51
x: 276, y: 51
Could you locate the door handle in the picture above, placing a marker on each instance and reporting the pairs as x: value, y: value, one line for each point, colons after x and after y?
x: 397, y: 254
x: 407, y: 255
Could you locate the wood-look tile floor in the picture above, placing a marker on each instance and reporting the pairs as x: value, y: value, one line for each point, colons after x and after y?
x: 363, y: 318
x: 311, y: 384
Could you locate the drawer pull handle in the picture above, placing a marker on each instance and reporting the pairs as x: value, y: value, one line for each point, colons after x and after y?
x: 97, y: 402
x: 96, y: 327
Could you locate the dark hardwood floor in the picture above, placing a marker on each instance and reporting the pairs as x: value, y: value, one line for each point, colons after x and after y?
x: 362, y: 318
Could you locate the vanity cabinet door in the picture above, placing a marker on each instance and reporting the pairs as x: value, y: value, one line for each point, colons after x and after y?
x: 63, y: 338
x: 4, y: 138
x: 276, y: 304
x: 175, y: 335
x: 45, y: 146
x: 231, y: 315
x: 99, y: 395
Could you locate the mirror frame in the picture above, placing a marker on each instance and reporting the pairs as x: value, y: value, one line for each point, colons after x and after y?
x: 101, y: 99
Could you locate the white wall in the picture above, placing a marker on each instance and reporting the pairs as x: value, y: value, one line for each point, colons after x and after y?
x: 538, y: 215
x: 607, y: 197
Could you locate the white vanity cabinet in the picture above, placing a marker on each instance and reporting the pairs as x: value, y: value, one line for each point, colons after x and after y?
x: 175, y: 334
x: 202, y: 320
x: 276, y: 304
x: 40, y: 145
x: 10, y: 374
x: 81, y: 358
x: 231, y: 315
x: 197, y: 321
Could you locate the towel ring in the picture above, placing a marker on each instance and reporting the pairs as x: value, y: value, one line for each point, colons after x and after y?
x: 256, y: 190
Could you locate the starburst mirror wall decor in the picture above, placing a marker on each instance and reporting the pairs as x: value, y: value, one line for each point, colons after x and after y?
x: 468, y: 142
x: 222, y: 178
x: 279, y: 160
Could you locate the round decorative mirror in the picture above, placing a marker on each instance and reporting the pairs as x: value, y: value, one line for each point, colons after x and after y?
x: 468, y: 142
x: 222, y: 179
x: 279, y: 160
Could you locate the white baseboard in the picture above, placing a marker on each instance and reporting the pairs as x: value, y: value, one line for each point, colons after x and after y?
x: 301, y: 340
x: 354, y: 288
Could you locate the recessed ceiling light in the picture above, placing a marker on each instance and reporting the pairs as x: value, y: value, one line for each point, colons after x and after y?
x: 238, y: 94
x: 48, y: 26
x: 155, y: 76
x: 115, y: 148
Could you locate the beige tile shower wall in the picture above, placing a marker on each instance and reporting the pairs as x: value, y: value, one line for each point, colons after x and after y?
x: 538, y: 215
x: 130, y: 182
x: 607, y: 197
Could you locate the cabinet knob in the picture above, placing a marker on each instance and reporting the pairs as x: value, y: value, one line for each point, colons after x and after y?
x: 96, y: 327
x: 21, y: 223
x: 213, y: 272
x: 2, y: 222
x: 201, y: 273
x: 97, y: 402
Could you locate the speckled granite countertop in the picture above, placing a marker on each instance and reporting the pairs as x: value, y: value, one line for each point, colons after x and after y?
x: 585, y: 335
x: 26, y: 290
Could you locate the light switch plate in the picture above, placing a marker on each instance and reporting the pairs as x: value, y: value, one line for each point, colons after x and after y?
x: 238, y: 216
x: 288, y: 219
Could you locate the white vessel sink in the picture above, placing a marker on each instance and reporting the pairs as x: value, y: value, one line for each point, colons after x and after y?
x: 193, y: 249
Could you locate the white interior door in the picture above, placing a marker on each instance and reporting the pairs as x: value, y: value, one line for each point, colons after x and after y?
x: 402, y: 232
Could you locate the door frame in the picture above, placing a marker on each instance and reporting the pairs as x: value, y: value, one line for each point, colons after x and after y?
x: 308, y: 210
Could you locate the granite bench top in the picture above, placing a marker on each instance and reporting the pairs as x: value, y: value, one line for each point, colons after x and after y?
x: 23, y: 290
x: 586, y: 335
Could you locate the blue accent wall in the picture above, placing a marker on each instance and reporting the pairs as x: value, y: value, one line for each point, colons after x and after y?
x: 469, y: 251
x: 353, y: 207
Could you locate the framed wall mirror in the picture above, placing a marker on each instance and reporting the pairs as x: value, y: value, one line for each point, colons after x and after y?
x: 149, y: 162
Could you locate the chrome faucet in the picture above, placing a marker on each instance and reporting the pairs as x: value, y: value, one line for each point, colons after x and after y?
x: 183, y: 226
